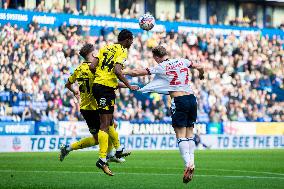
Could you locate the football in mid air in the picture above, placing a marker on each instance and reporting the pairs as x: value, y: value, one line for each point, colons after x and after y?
x: 146, y: 22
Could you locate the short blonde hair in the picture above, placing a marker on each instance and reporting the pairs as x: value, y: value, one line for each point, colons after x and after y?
x: 159, y: 51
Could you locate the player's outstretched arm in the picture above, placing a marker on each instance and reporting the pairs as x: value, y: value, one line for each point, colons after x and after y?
x: 122, y: 85
x: 120, y: 76
x: 136, y: 72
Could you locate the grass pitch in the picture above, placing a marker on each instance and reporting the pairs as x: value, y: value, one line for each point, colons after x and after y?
x: 228, y: 169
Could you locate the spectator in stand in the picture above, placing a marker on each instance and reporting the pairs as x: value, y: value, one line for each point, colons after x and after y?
x: 41, y: 7
x: 84, y: 11
x: 67, y: 8
x: 5, y: 6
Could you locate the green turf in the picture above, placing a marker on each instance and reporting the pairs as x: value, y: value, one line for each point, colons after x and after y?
x: 228, y: 169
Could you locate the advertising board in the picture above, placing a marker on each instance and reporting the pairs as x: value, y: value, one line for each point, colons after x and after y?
x: 17, y: 128
x: 46, y: 143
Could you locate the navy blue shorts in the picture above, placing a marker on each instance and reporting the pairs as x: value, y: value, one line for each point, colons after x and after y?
x: 184, y: 111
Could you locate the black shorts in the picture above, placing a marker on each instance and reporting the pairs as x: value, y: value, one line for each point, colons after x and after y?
x: 105, y: 97
x: 184, y: 111
x: 92, y: 118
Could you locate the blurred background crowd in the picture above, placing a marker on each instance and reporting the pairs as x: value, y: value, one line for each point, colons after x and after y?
x: 245, y: 81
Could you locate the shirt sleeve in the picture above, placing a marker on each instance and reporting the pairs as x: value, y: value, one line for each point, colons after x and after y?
x: 187, y: 62
x: 73, y: 77
x: 155, y: 70
x: 121, y: 57
x: 99, y: 54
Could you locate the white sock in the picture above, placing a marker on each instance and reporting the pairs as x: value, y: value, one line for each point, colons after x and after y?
x: 184, y: 150
x: 69, y: 148
x: 191, y: 145
x: 111, y: 154
x: 103, y: 159
x: 120, y: 148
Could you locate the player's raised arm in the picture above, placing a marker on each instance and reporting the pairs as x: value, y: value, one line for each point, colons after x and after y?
x: 200, y: 67
x: 196, y: 64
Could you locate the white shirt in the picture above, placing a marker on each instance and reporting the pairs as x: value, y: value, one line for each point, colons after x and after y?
x: 170, y: 75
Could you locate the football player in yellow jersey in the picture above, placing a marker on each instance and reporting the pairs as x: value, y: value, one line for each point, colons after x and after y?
x: 88, y: 106
x: 107, y: 67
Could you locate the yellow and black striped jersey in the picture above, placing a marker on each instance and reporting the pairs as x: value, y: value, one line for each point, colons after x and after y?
x: 85, y: 79
x: 108, y: 56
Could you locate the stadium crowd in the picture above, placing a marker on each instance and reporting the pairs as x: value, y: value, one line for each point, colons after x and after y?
x: 244, y: 71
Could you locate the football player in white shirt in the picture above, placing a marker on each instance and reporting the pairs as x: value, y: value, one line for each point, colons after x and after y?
x: 172, y: 77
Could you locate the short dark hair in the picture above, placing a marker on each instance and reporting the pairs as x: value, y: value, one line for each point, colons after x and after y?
x: 159, y: 51
x: 124, y: 34
x: 86, y: 49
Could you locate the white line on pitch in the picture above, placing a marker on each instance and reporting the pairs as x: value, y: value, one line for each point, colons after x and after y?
x: 244, y: 171
x: 131, y: 173
x: 208, y: 169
